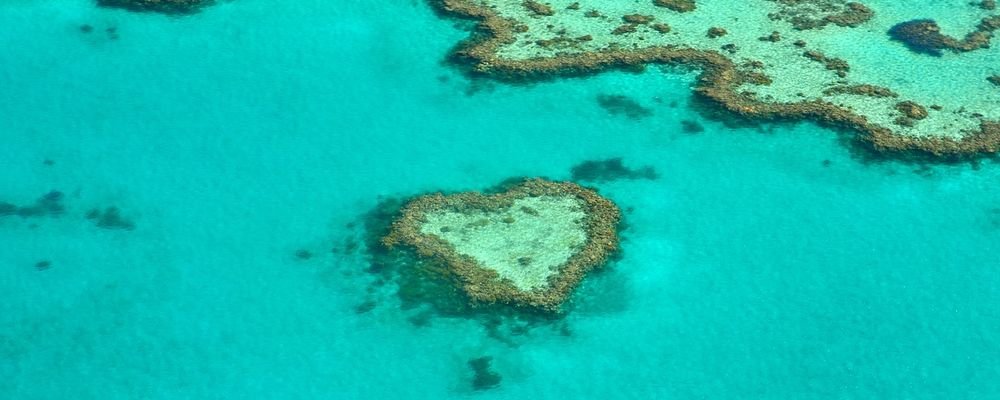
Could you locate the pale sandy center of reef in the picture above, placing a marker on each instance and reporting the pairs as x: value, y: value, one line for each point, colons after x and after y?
x: 526, y: 243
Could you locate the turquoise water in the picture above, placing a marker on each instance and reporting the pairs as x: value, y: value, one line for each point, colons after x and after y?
x: 234, y: 138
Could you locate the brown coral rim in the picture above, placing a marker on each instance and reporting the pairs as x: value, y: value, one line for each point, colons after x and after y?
x: 717, y: 83
x: 483, y: 285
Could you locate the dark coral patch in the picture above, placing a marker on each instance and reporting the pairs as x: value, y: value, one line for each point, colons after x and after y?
x: 691, y: 127
x: 623, y: 105
x: 162, y: 6
x: 110, y: 218
x: 609, y: 170
x: 924, y: 36
x: 676, y: 5
x: 48, y: 205
x: 483, y: 376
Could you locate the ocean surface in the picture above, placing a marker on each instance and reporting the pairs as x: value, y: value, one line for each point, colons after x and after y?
x: 214, y: 173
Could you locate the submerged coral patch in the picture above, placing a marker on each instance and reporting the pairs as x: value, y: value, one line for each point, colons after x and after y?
x: 616, y: 104
x: 609, y: 170
x: 163, y: 6
x: 483, y: 375
x: 48, y: 205
x: 528, y: 246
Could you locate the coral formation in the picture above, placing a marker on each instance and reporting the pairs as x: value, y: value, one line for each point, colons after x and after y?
x: 716, y: 32
x: 110, y: 218
x: 502, y: 51
x: 163, y: 6
x: 483, y: 376
x: 912, y: 110
x: 623, y: 105
x: 538, y: 8
x: 816, y: 14
x: 609, y: 170
x: 924, y: 36
x: 676, y: 5
x: 43, y: 265
x: 496, y: 252
x: 861, y: 90
x: 691, y: 127
x: 49, y: 204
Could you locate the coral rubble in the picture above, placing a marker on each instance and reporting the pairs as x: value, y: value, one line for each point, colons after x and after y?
x: 528, y: 246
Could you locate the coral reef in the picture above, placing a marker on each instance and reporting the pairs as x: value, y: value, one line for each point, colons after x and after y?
x: 504, y: 52
x: 472, y: 241
x: 163, y: 6
x: 816, y: 14
x: 609, y: 170
x: 924, y: 36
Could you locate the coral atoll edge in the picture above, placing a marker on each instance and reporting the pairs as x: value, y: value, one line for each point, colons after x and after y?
x: 717, y: 83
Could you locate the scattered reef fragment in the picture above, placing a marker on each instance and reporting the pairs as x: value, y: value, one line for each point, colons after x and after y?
x: 676, y: 5
x: 820, y: 83
x: 48, y: 205
x: 611, y: 169
x: 924, y: 36
x: 616, y: 104
x: 483, y: 377
x: 816, y: 14
x: 528, y: 246
x: 162, y: 6
x: 691, y: 127
x: 110, y: 218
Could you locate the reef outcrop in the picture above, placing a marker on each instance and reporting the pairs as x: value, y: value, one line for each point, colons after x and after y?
x: 162, y: 6
x: 818, y: 83
x: 924, y: 36
x: 528, y: 246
